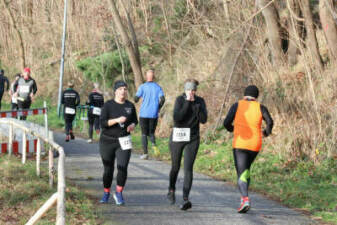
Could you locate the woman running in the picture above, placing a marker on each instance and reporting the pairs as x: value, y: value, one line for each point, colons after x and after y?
x: 189, y: 111
x: 118, y: 119
x: 247, y: 115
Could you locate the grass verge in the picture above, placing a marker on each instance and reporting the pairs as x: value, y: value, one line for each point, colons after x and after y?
x: 23, y: 193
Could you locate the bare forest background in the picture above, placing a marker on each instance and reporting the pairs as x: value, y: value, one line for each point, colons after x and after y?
x: 288, y: 48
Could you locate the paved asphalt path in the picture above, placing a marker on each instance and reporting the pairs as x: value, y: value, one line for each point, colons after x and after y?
x: 214, y: 202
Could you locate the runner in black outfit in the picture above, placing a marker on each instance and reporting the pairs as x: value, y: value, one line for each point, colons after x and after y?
x: 118, y: 119
x: 189, y: 111
x: 95, y: 102
x: 26, y: 89
x: 3, y: 80
x: 70, y: 99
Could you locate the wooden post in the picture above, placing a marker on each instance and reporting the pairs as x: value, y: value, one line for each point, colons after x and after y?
x: 10, y: 141
x: 45, y: 207
x: 61, y: 186
x: 24, y: 147
x: 51, y: 167
x: 46, y: 119
x: 38, y: 157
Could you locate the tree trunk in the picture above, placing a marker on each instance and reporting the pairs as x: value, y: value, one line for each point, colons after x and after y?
x: 312, y: 44
x: 136, y: 67
x: 22, y: 47
x: 273, y: 31
x: 292, y: 47
x: 329, y: 27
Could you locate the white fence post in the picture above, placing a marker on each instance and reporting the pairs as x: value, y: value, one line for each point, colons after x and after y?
x: 38, y: 156
x: 51, y: 167
x: 24, y: 147
x: 10, y: 139
x: 61, y: 186
x: 46, y: 119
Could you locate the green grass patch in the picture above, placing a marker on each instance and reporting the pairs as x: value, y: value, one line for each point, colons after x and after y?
x: 23, y: 193
x: 301, y: 185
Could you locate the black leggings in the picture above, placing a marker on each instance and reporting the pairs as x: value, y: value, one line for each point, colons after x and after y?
x: 191, y: 150
x: 68, y: 119
x: 93, y: 122
x: 1, y: 94
x: 243, y: 159
x: 24, y: 105
x: 148, y: 127
x: 109, y: 151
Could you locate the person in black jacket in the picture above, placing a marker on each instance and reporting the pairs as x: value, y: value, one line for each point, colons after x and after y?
x: 3, y: 81
x: 70, y: 100
x: 118, y: 120
x: 189, y: 111
x: 26, y: 89
x: 95, y: 102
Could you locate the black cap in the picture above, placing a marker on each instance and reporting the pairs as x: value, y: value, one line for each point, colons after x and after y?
x: 2, y: 71
x: 119, y: 83
x: 252, y: 91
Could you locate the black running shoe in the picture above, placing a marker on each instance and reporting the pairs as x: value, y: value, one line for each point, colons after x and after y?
x: 186, y: 205
x: 72, y: 136
x: 171, y: 197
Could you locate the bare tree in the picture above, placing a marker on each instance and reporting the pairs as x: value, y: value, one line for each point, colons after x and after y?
x: 18, y: 32
x: 292, y: 46
x: 136, y: 67
x: 329, y: 27
x: 273, y: 30
x: 312, y: 44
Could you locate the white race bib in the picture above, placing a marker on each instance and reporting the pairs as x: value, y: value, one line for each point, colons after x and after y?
x: 96, y: 111
x: 70, y: 111
x: 181, y: 134
x: 24, y: 89
x: 125, y: 142
x: 14, y: 100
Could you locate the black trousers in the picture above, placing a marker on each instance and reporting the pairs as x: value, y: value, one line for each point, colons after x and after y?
x: 243, y: 160
x: 24, y: 105
x: 1, y: 94
x: 93, y: 122
x: 191, y: 150
x: 148, y: 128
x: 109, y: 152
x: 68, y: 119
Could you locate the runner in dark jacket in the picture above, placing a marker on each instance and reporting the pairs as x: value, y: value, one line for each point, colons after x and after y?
x: 3, y: 81
x: 70, y: 100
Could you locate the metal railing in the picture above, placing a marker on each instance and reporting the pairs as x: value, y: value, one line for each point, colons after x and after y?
x: 59, y: 196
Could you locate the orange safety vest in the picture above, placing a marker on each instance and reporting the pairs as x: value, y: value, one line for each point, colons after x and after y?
x: 247, y: 126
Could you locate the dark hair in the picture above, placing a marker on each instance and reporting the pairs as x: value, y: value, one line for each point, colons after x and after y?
x: 192, y: 80
x: 18, y: 75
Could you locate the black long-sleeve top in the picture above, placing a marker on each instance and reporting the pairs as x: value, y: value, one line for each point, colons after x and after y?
x: 114, y: 110
x: 70, y: 98
x: 189, y: 114
x: 228, y: 122
x: 95, y: 99
x: 3, y: 80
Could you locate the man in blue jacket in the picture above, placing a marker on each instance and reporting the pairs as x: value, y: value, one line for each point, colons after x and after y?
x: 152, y: 100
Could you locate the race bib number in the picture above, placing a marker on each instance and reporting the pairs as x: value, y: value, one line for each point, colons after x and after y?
x: 181, y: 134
x: 96, y: 111
x: 14, y: 100
x: 125, y: 142
x: 24, y: 89
x: 70, y: 111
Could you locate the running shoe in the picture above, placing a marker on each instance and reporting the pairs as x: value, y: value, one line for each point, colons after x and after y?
x: 105, y: 197
x: 89, y: 140
x: 171, y: 197
x: 67, y: 138
x: 118, y: 196
x: 186, y: 205
x: 72, y: 136
x: 156, y: 151
x: 245, y: 205
x: 144, y: 156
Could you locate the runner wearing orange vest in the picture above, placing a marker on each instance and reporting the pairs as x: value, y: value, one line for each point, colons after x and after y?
x: 247, y: 115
